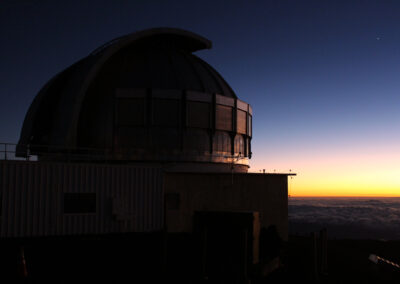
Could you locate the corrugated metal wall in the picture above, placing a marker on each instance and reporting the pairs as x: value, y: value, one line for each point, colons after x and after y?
x: 128, y: 198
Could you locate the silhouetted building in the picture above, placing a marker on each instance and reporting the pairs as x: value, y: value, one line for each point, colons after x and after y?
x: 138, y: 137
x: 142, y: 97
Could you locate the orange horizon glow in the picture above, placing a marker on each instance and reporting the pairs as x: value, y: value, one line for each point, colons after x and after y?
x: 363, y: 172
x: 345, y: 196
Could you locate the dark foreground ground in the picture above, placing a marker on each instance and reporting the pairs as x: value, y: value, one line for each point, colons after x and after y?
x: 154, y: 259
x: 347, y: 262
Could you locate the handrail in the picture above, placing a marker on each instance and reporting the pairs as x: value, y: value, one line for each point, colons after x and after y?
x: 10, y: 151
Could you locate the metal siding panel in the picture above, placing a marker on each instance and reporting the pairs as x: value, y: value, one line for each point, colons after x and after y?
x: 141, y: 200
x: 125, y: 196
x: 29, y: 200
x: 158, y: 199
x: 43, y: 202
x: 38, y: 199
x: 129, y: 191
x: 109, y: 226
x: 68, y: 188
x: 107, y: 186
x: 83, y: 188
x: 132, y: 173
x: 2, y: 189
x: 5, y: 201
x: 73, y: 189
x: 91, y: 175
x: 135, y: 196
x: 2, y: 175
x: 90, y: 178
x: 23, y: 203
x: 15, y: 207
x: 11, y: 200
x: 150, y: 205
x: 117, y: 224
x: 161, y: 189
x: 149, y: 200
x: 57, y: 183
x: 4, y: 224
x: 95, y: 186
x: 79, y: 188
x: 33, y: 198
x: 64, y: 188
x: 48, y: 203
x: 154, y: 201
x: 102, y: 187
x: 7, y: 213
x: 115, y: 189
x: 17, y: 201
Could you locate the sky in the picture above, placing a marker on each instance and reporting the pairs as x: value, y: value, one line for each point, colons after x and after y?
x: 322, y: 76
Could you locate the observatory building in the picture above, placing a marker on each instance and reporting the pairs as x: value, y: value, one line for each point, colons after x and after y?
x: 141, y: 136
x: 144, y: 97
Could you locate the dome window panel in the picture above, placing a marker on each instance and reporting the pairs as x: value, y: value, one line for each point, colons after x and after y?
x: 130, y: 93
x: 197, y: 140
x: 198, y: 114
x: 239, y: 145
x: 166, y: 112
x: 241, y: 122
x: 198, y: 96
x: 165, y: 139
x: 223, y: 118
x: 130, y: 137
x: 242, y: 105
x: 131, y: 112
x: 224, y: 100
x: 222, y: 142
x: 249, y: 125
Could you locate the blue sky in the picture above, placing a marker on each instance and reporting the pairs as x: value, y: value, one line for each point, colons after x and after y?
x: 322, y: 76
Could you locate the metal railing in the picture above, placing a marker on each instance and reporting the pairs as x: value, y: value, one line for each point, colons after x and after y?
x: 8, y: 151
x: 13, y: 151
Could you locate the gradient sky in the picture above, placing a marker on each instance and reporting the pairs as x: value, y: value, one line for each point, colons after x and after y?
x: 322, y: 76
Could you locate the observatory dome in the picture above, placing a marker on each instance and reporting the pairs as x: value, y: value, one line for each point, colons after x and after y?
x: 144, y: 97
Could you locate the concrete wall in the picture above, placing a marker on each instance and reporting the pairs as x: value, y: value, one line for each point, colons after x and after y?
x: 265, y: 193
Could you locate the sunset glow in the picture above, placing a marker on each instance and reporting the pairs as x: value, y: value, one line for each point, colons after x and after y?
x: 362, y: 172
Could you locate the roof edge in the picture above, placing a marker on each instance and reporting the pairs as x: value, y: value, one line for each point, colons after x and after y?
x: 190, y: 41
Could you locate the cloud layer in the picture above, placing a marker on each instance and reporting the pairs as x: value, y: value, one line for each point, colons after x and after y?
x: 369, y: 218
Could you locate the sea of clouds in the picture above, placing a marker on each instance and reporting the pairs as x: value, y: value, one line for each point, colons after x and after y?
x: 365, y: 218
